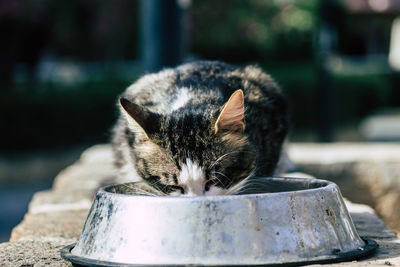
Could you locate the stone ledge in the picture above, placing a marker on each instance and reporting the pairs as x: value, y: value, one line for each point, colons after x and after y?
x: 42, y: 248
x: 55, y: 218
x: 329, y: 153
x: 53, y: 225
x: 33, y: 253
x: 365, y: 172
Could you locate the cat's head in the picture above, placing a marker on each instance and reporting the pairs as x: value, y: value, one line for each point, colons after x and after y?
x: 191, y: 153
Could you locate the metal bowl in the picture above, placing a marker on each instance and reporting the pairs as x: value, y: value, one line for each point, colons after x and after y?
x: 297, y: 221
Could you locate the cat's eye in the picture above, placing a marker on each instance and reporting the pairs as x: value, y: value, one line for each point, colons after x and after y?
x: 208, y: 184
x: 172, y: 188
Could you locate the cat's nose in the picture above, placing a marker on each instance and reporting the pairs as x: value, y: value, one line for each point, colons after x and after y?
x: 195, y: 191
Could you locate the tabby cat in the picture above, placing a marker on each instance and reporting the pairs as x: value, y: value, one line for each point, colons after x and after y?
x: 203, y: 128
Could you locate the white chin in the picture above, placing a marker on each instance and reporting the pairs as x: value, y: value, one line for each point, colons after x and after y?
x: 216, y: 191
x: 175, y: 194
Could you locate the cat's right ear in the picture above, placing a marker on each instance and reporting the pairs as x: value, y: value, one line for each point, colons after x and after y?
x: 231, y: 117
x: 139, y: 118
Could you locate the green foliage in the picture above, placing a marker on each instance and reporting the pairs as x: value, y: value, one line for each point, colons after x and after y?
x: 277, y: 34
x: 50, y: 115
x: 358, y: 96
x: 353, y: 96
x: 261, y: 29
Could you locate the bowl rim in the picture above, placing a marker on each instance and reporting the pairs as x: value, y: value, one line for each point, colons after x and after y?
x: 325, y: 184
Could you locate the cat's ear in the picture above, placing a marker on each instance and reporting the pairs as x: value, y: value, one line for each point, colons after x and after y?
x: 139, y: 118
x: 231, y: 117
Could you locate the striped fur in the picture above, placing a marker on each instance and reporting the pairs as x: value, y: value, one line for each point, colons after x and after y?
x: 168, y: 133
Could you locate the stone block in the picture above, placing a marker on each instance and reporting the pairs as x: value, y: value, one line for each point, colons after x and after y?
x: 32, y: 253
x: 56, y: 200
x: 52, y: 225
x: 365, y: 172
x: 382, y: 126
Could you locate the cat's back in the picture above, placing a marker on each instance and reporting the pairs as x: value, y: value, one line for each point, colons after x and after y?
x: 210, y: 81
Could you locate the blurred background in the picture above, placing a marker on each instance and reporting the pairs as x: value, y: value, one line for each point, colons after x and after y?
x: 63, y: 64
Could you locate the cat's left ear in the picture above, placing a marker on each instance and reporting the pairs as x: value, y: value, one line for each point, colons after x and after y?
x: 139, y: 118
x: 231, y: 117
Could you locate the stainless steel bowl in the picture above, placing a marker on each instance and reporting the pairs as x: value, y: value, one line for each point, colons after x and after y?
x: 297, y: 221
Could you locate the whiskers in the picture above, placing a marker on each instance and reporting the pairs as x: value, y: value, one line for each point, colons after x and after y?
x: 139, y: 188
x: 255, y: 185
x: 239, y: 187
x: 215, y: 162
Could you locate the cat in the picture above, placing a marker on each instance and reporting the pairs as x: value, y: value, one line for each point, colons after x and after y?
x: 202, y: 128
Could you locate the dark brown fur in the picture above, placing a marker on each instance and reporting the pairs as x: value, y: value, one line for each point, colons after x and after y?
x: 160, y: 141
